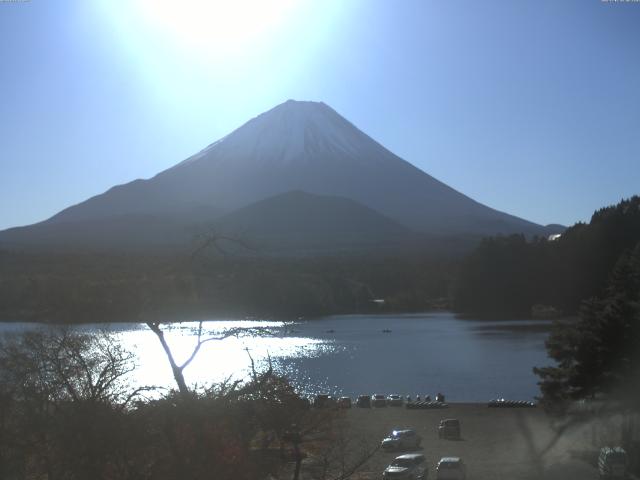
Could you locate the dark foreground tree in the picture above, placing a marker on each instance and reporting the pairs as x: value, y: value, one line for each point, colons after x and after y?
x: 599, y: 355
x: 63, y: 398
x: 67, y: 412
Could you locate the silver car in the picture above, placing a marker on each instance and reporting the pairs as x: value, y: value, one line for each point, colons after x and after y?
x: 412, y: 466
x: 401, y: 440
x: 612, y: 462
x: 451, y: 468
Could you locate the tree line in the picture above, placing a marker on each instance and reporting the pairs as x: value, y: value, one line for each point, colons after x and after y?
x: 507, y: 276
x: 591, y: 276
x: 79, y: 288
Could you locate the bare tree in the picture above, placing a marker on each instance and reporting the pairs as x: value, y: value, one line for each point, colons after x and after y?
x: 178, y: 368
x: 341, y: 452
x: 207, y: 241
x: 63, y: 398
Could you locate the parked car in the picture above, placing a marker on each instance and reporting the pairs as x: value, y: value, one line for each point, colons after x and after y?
x: 324, y: 401
x: 344, y: 402
x: 378, y: 400
x: 449, y: 428
x: 401, y: 440
x: 363, y: 401
x: 411, y: 466
x: 451, y: 468
x: 394, y: 400
x: 612, y: 462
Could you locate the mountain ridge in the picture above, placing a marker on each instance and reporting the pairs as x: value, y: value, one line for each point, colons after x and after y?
x: 303, y: 146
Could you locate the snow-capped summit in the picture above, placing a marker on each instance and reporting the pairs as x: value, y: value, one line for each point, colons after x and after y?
x: 292, y: 131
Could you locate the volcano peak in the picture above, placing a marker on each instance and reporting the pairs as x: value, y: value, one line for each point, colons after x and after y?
x: 297, y: 145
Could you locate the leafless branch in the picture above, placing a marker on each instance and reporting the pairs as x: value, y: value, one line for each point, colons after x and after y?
x: 212, y: 240
x: 355, y: 467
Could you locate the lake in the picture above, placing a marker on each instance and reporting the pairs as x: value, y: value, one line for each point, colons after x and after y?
x: 466, y: 359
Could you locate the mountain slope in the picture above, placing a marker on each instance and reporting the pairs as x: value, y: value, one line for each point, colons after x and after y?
x: 135, y: 231
x: 304, y: 146
x: 300, y: 222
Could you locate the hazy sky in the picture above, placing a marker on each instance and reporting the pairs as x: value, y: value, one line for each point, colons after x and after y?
x: 531, y: 107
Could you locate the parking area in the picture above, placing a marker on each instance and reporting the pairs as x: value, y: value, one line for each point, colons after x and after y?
x: 508, y: 443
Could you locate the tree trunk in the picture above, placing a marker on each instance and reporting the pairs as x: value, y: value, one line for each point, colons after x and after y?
x: 298, y: 455
x: 175, y: 368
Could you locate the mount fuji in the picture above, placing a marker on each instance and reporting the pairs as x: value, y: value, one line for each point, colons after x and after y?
x: 245, y: 180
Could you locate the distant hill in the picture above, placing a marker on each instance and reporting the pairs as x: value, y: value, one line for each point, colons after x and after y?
x: 296, y: 146
x: 301, y: 222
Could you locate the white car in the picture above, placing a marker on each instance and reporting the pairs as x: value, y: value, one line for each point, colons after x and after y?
x: 394, y: 400
x: 401, y: 440
x: 412, y: 466
x: 451, y: 468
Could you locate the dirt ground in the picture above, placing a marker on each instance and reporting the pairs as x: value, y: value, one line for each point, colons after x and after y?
x: 496, y: 443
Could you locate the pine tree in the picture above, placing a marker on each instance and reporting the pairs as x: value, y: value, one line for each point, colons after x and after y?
x: 599, y: 355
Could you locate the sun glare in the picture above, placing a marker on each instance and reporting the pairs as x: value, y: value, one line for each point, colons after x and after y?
x: 185, y: 52
x: 216, y: 27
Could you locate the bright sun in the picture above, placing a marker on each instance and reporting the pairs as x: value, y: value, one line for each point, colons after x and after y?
x: 216, y: 26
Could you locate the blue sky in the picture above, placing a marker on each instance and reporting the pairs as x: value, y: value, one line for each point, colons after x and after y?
x: 530, y: 107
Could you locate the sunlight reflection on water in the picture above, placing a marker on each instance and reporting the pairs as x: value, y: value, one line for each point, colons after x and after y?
x: 471, y: 360
x: 229, y: 358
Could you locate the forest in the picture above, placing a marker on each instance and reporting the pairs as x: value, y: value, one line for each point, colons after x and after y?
x: 505, y: 276
x: 86, y: 288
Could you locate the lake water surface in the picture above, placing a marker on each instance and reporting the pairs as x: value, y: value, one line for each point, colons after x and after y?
x: 467, y: 360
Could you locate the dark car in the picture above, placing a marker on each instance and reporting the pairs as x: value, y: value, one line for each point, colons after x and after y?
x: 324, y: 401
x: 378, y: 400
x: 449, y: 428
x: 363, y: 401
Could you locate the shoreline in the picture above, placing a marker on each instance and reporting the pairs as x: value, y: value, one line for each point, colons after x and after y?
x: 273, y: 318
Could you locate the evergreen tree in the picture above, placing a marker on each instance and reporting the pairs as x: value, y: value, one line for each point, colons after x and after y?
x: 600, y: 353
x: 508, y: 275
